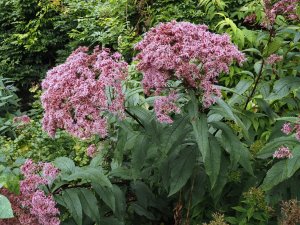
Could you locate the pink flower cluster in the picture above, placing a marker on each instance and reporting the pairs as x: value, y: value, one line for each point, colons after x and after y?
x: 287, y: 129
x: 40, y: 206
x: 285, y: 8
x: 78, y: 92
x: 186, y: 52
x: 22, y: 214
x: 91, y: 151
x: 22, y: 119
x: 274, y: 58
x: 282, y: 152
x: 164, y: 105
x: 251, y: 19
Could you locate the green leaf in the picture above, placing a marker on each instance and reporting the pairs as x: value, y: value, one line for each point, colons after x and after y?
x: 283, y: 87
x: 182, y: 169
x: 274, y: 46
x: 275, y: 175
x: 65, y: 164
x: 106, y: 194
x: 227, y: 112
x: 5, y: 208
x: 240, y: 89
x: 89, y: 204
x: 238, y: 152
x: 282, y: 170
x: 210, y: 151
x: 72, y: 202
x: 90, y: 174
x: 212, y: 161
x: 268, y: 150
x: 200, y: 127
x: 289, y: 119
x: 257, y: 66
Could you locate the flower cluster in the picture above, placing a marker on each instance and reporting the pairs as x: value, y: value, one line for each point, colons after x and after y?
x: 251, y: 19
x: 274, y: 58
x: 287, y: 129
x: 165, y: 105
x: 282, y: 152
x: 285, y: 8
x: 22, y: 214
x: 78, y: 92
x: 91, y: 150
x: 22, y: 119
x: 40, y: 206
x: 186, y: 52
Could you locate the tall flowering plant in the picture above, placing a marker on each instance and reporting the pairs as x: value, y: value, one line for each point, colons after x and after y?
x: 188, y: 53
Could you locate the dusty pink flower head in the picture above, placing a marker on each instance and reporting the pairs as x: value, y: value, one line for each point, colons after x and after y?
x: 274, y: 58
x: 287, y: 128
x: 22, y: 119
x: 251, y: 19
x: 186, y: 52
x: 29, y: 168
x: 286, y: 8
x: 49, y: 171
x: 40, y: 206
x: 163, y: 105
x: 78, y: 92
x: 43, y: 207
x: 282, y: 152
x: 91, y: 150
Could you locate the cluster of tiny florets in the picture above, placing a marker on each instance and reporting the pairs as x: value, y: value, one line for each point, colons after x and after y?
x: 286, y: 8
x: 186, y: 52
x: 91, y: 150
x: 39, y: 205
x: 288, y: 128
x: 274, y: 58
x: 22, y: 119
x: 78, y: 92
x: 164, y: 105
x: 283, y: 152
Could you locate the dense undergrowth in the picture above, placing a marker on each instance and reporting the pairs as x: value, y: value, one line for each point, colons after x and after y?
x: 149, y: 112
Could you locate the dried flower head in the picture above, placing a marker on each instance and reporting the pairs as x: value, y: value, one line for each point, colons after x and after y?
x: 290, y: 212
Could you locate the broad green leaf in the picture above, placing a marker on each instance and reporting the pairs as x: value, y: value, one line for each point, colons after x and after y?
x: 228, y: 112
x: 289, y: 119
x: 89, y: 204
x: 283, y: 87
x: 257, y: 66
x: 238, y: 152
x: 275, y: 175
x: 212, y: 160
x: 182, y: 169
x: 268, y: 150
x: 294, y: 163
x: 90, y: 174
x: 273, y: 46
x: 282, y: 170
x: 240, y: 89
x: 72, y: 203
x: 65, y: 164
x: 200, y: 127
x: 5, y: 208
x: 120, y: 202
x: 106, y: 194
